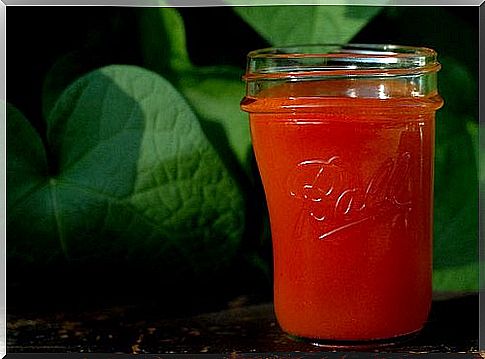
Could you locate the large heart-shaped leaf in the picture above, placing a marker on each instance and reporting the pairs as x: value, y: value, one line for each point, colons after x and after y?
x: 128, y: 174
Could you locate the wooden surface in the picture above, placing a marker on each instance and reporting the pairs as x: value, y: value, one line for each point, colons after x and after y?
x: 452, y: 328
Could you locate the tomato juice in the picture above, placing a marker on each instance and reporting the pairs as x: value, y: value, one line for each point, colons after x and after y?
x: 347, y: 168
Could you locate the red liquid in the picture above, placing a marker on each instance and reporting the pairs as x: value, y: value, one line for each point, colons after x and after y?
x: 349, y: 188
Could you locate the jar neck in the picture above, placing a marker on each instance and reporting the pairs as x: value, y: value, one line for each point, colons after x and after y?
x: 353, y: 71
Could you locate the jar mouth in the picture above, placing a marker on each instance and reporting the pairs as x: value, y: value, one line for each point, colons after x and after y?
x: 330, y: 60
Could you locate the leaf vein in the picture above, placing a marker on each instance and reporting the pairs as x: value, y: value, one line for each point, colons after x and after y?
x: 57, y: 216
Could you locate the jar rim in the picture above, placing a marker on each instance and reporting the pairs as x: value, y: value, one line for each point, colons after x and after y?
x: 300, y: 61
x: 364, y: 50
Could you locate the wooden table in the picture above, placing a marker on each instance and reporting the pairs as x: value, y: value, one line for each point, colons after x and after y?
x: 247, y: 329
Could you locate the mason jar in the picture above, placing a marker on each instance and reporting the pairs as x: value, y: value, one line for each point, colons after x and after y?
x: 344, y: 139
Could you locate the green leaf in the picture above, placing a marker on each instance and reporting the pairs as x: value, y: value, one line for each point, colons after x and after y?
x: 458, y: 86
x: 456, y: 181
x: 28, y: 194
x: 456, y: 203
x: 215, y: 94
x: 293, y: 25
x: 162, y: 38
x: 132, y: 178
x: 27, y: 160
x: 458, y: 279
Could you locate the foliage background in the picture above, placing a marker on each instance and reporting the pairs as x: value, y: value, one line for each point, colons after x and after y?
x: 200, y: 237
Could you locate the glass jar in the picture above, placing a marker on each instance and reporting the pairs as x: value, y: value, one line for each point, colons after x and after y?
x: 344, y: 140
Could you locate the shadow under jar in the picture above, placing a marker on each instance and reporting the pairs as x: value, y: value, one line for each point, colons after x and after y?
x: 344, y: 140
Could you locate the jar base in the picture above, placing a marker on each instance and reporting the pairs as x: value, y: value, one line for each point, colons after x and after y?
x: 357, y: 345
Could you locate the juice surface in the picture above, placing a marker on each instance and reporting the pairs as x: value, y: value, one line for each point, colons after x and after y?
x: 348, y: 183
